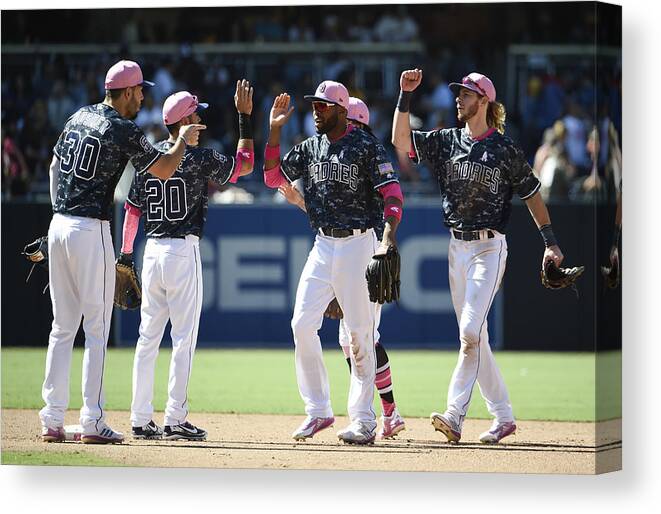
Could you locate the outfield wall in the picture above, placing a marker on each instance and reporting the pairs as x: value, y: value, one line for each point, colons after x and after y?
x: 252, y: 256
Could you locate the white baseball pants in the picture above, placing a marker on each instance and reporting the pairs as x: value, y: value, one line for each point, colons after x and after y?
x: 171, y: 289
x: 343, y: 333
x: 81, y: 270
x: 336, y: 268
x: 476, y: 272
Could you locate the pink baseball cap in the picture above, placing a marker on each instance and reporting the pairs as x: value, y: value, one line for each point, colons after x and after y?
x: 358, y: 111
x: 125, y: 74
x: 477, y: 82
x: 332, y: 92
x: 179, y: 105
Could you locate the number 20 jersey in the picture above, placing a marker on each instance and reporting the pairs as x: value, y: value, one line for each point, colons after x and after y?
x: 93, y: 151
x: 177, y: 207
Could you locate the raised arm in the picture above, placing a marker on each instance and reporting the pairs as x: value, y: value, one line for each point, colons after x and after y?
x: 401, y: 126
x: 245, y: 149
x: 280, y: 113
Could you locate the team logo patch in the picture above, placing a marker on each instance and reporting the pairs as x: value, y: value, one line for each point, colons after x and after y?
x: 145, y: 144
x: 386, y: 168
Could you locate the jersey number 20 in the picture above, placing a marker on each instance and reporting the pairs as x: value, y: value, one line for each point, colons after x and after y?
x: 80, y: 155
x: 166, y: 199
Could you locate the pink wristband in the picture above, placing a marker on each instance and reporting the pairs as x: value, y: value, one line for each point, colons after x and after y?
x: 392, y: 210
x: 242, y: 155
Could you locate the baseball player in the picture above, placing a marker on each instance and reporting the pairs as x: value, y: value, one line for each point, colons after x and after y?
x: 174, y: 211
x: 478, y: 170
x: 347, y: 179
x: 391, y: 421
x: 89, y: 158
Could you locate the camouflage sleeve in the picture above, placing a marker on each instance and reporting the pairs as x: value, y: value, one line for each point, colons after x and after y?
x: 139, y: 150
x: 216, y: 166
x: 57, y: 149
x: 381, y: 168
x: 427, y: 146
x: 524, y: 181
x: 294, y: 163
x: 135, y: 193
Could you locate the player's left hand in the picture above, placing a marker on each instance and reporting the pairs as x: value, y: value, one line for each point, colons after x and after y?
x: 553, y: 253
x: 384, y: 245
x: 243, y: 97
x: 292, y: 195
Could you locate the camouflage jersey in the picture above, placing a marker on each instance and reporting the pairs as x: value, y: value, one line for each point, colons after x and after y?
x: 93, y: 150
x: 477, y: 177
x: 341, y: 179
x: 177, y: 207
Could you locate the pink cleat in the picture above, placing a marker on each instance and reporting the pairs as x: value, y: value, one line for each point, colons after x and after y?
x: 311, y: 426
x: 497, y: 432
x: 391, y: 425
x: 53, y: 435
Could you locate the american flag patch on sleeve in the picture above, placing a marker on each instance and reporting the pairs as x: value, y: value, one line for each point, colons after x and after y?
x: 385, y: 168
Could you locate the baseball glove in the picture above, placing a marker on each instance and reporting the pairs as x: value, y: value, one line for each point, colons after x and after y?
x: 382, y: 276
x: 128, y: 293
x: 611, y: 274
x: 559, y: 278
x: 334, y: 311
x: 36, y: 252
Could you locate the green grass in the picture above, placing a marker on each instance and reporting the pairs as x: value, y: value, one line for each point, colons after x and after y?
x: 54, y: 459
x: 551, y: 386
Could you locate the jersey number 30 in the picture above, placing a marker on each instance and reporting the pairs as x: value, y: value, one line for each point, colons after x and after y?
x: 166, y: 199
x: 80, y: 154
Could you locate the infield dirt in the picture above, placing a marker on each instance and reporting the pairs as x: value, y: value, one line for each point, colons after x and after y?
x: 243, y: 441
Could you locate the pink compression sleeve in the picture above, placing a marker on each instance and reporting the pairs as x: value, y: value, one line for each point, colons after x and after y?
x: 242, y: 155
x: 131, y: 223
x: 392, y: 190
x: 273, y: 178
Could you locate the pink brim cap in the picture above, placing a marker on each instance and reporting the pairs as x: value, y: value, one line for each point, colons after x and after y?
x: 125, y: 74
x: 477, y: 82
x: 331, y: 92
x: 358, y: 111
x: 179, y: 105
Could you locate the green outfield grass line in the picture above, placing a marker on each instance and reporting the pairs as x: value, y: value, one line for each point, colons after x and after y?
x: 47, y: 458
x: 543, y: 386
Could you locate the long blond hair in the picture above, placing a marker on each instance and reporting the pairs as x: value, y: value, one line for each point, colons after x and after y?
x: 496, y: 115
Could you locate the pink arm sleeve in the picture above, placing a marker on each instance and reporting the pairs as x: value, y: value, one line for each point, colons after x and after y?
x: 273, y: 178
x: 131, y: 223
x: 242, y: 155
x: 392, y: 190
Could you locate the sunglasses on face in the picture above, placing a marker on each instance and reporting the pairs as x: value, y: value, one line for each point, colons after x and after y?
x: 322, y: 106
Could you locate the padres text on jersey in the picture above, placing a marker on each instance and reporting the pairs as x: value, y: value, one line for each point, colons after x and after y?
x: 341, y: 179
x: 477, y: 177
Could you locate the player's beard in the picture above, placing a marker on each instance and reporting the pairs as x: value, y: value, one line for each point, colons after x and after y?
x: 468, y: 113
x: 326, y: 126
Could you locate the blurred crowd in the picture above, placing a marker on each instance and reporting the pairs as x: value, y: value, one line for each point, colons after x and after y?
x: 553, y: 117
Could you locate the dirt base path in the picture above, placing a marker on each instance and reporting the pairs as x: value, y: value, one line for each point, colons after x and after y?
x: 243, y: 441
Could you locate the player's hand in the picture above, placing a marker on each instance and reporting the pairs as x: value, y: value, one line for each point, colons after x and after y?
x: 243, y: 97
x: 383, y: 247
x: 410, y: 79
x: 334, y: 311
x: 281, y: 111
x: 292, y: 195
x: 191, y: 133
x: 553, y: 253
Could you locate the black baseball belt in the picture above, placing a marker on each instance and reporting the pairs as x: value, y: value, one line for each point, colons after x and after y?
x: 342, y: 232
x: 473, y: 235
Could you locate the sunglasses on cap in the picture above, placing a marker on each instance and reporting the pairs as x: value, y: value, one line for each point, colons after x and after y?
x: 470, y: 81
x: 322, y: 106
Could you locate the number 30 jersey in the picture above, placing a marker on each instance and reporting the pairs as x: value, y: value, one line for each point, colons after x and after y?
x: 177, y: 207
x: 93, y: 150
